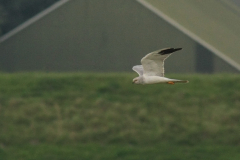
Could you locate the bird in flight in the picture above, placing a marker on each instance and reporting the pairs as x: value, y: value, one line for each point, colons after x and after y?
x: 152, y: 69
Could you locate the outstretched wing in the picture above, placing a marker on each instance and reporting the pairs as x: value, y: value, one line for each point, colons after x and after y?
x: 153, y: 63
x: 138, y: 69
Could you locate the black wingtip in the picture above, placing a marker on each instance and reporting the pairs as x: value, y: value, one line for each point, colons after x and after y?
x: 177, y: 49
x: 169, y: 50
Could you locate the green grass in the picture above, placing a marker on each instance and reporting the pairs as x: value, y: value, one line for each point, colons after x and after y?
x: 104, y: 116
x: 119, y: 152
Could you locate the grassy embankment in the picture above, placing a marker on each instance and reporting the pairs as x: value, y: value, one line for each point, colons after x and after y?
x: 104, y: 116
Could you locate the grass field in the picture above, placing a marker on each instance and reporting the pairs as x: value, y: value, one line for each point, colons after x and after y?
x: 103, y: 116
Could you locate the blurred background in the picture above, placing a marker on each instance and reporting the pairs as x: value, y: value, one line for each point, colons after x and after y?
x: 65, y: 81
x: 85, y: 35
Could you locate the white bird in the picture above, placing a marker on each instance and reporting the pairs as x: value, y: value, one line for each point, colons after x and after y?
x: 152, y: 69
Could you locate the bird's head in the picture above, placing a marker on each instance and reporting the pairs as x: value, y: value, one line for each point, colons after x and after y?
x: 136, y: 80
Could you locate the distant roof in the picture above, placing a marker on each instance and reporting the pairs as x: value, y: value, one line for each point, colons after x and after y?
x: 32, y: 20
x: 216, y: 23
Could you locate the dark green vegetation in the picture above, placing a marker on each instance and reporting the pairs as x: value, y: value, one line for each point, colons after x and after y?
x: 104, y: 116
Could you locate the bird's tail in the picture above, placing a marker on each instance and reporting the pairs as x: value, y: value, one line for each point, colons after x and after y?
x: 182, y: 81
x: 179, y: 81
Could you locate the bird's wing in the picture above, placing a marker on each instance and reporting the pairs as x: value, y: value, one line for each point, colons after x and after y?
x: 138, y: 69
x: 153, y: 63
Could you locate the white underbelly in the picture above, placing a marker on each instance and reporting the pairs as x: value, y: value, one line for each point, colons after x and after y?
x: 155, y: 79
